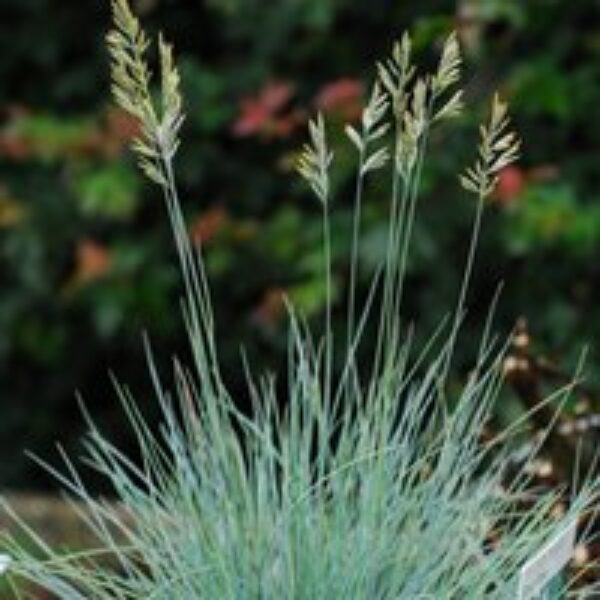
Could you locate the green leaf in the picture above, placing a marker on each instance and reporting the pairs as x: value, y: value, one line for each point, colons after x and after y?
x: 110, y: 191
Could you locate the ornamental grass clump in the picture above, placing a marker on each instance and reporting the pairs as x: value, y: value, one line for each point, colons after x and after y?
x: 369, y: 480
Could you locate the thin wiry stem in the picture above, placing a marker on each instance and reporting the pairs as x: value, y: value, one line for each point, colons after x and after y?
x: 328, y: 267
x: 466, y: 280
x: 396, y: 210
x: 354, y: 252
x: 405, y: 235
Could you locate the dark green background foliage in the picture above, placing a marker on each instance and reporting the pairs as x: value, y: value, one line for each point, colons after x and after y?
x: 86, y: 262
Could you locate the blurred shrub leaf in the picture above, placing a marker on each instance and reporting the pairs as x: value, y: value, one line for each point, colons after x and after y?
x: 110, y: 191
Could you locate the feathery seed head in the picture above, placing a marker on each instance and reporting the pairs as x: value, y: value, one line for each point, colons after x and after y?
x: 396, y: 74
x: 131, y: 81
x: 373, y: 129
x: 315, y: 160
x: 448, y: 72
x: 498, y: 148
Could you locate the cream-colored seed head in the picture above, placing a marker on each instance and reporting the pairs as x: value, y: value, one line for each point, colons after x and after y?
x: 131, y: 81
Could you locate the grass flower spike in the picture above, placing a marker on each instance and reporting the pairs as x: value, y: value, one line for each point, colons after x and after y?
x: 315, y: 160
x: 131, y: 81
x: 498, y: 148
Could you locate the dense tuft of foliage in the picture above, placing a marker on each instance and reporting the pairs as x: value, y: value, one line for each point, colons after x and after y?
x: 70, y: 200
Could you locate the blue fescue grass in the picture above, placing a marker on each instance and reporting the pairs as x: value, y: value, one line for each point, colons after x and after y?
x: 370, y: 482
